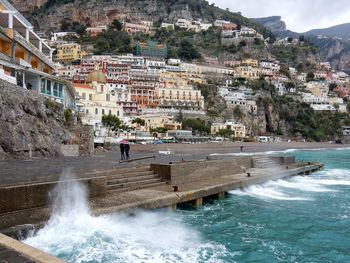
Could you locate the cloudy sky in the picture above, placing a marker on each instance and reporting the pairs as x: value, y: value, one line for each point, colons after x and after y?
x: 299, y: 15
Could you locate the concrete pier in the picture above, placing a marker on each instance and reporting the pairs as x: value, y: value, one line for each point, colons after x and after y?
x: 148, y: 187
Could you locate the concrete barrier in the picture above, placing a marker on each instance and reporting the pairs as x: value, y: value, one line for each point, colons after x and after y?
x: 26, y: 251
x: 186, y: 172
x: 19, y: 197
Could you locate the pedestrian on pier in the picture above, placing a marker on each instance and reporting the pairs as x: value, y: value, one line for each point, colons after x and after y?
x: 242, y: 148
x: 122, y: 151
x: 127, y: 149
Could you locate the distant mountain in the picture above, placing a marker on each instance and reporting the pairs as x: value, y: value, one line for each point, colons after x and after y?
x: 342, y: 31
x: 274, y: 23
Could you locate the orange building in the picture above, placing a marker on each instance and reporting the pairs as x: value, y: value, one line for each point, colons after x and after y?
x: 28, y: 59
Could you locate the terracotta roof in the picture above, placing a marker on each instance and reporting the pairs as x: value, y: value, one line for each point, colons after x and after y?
x: 82, y: 86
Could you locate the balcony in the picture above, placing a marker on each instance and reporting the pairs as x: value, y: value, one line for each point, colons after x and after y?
x: 33, y: 49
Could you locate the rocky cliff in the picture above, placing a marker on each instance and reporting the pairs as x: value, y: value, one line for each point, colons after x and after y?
x: 49, y: 15
x: 274, y: 23
x: 31, y: 124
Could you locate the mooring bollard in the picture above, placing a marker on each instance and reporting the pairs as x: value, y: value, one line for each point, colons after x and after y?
x: 175, y: 188
x: 249, y: 175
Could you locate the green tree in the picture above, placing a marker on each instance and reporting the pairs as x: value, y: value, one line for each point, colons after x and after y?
x: 116, y: 25
x: 139, y: 121
x: 310, y: 76
x: 197, y: 125
x: 237, y: 112
x: 187, y: 51
x: 226, y: 133
x: 332, y: 86
x: 111, y: 122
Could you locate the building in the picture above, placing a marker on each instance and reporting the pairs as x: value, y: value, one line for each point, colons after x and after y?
x: 153, y: 121
x: 151, y: 49
x: 115, y: 70
x: 96, y: 100
x: 25, y: 57
x: 143, y: 88
x: 247, y: 72
x: 229, y: 26
x: 132, y: 28
x: 61, y: 35
x: 67, y: 71
x: 122, y: 93
x: 168, y: 26
x: 95, y: 31
x: 67, y: 53
x: 183, y: 23
x: 238, y: 130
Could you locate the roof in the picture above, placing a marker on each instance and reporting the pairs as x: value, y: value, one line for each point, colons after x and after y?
x: 82, y: 86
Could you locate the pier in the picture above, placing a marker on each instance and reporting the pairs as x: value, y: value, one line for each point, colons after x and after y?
x: 146, y: 186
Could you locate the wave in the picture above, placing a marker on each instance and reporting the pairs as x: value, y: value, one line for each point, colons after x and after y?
x: 280, y: 151
x: 267, y: 192
x: 73, y: 234
x: 298, y: 183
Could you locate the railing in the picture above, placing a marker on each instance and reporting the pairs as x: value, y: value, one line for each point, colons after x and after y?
x: 20, y: 39
x: 56, y: 94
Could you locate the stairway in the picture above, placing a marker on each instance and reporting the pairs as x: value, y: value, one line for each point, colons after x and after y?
x: 265, y: 162
x: 131, y: 179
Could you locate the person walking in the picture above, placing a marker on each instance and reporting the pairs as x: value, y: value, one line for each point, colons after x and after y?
x: 242, y: 148
x: 127, y: 149
x: 122, y: 151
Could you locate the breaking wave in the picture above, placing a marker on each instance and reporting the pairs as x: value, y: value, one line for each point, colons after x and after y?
x: 74, y: 235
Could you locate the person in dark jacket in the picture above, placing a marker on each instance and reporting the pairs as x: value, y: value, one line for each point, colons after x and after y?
x: 127, y: 149
x: 122, y: 151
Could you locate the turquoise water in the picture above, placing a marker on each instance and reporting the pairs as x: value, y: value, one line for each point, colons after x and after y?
x: 302, y: 219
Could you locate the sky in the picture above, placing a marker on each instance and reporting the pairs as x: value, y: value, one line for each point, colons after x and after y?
x: 299, y: 15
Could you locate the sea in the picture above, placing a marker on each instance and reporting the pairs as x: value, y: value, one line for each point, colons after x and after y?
x: 299, y: 219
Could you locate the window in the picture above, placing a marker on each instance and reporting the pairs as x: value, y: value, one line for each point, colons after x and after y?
x: 90, y: 96
x: 118, y: 113
x: 87, y: 111
x: 108, y: 97
x: 83, y: 95
x: 103, y: 112
x: 110, y: 112
x: 101, y: 88
x: 96, y: 111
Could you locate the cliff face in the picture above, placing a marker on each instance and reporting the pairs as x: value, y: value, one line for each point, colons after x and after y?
x: 336, y: 51
x: 49, y: 14
x: 274, y: 23
x: 29, y: 121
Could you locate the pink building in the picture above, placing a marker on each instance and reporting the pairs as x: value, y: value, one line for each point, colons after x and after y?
x: 131, y: 28
x: 94, y: 31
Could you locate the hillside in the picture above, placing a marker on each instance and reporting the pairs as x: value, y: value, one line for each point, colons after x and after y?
x: 341, y: 31
x: 49, y: 15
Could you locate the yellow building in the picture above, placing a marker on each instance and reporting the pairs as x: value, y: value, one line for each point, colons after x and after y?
x: 178, y: 94
x: 238, y: 129
x: 250, y: 62
x: 69, y: 52
x: 247, y: 72
x: 28, y: 59
x: 153, y: 121
x: 96, y: 100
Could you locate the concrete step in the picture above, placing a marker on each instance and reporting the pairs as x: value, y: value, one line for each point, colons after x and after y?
x: 132, y: 179
x: 129, y: 174
x: 134, y: 188
x: 120, y: 171
x: 134, y: 184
